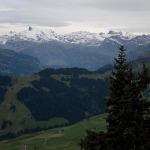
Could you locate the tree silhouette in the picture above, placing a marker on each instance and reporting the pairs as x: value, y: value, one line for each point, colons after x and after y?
x: 128, y: 113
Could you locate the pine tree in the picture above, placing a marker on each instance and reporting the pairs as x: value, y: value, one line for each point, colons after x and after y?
x: 126, y: 107
x: 143, y: 83
x: 128, y: 113
x: 117, y: 104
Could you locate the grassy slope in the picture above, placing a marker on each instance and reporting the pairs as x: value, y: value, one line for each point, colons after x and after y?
x: 22, y: 117
x: 22, y: 114
x: 66, y: 138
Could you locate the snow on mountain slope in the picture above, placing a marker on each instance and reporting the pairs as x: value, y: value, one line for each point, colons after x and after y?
x: 32, y: 34
x: 77, y: 49
x: 123, y: 35
x: 81, y: 37
x: 95, y: 39
x: 38, y: 35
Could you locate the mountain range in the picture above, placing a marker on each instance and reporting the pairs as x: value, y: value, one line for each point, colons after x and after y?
x: 79, y: 49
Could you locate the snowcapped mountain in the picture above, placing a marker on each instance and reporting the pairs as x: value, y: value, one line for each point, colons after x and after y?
x: 46, y: 35
x: 81, y: 37
x: 77, y: 49
x: 32, y: 34
x: 94, y: 39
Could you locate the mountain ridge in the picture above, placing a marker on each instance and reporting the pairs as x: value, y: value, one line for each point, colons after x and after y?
x: 78, y: 49
x: 13, y: 63
x: 79, y: 37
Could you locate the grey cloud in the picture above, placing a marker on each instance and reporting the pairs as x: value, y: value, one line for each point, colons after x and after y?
x: 119, y: 5
x: 60, y: 13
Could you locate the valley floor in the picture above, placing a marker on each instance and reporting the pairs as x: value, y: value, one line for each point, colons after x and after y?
x: 65, y: 138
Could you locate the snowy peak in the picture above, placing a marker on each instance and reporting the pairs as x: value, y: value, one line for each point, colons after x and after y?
x: 95, y: 39
x: 37, y: 35
x: 31, y: 34
x: 114, y: 33
x: 122, y: 35
x: 30, y: 28
x: 83, y: 37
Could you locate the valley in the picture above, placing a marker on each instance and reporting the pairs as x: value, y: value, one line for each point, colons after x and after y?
x: 66, y: 138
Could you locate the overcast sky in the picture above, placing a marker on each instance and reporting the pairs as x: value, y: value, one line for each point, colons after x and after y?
x: 66, y: 16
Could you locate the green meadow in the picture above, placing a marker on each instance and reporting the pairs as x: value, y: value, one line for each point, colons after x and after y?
x: 64, y: 138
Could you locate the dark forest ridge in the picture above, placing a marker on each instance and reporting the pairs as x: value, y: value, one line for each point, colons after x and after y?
x: 50, y: 98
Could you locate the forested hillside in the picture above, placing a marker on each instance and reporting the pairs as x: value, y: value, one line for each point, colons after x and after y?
x: 51, y: 98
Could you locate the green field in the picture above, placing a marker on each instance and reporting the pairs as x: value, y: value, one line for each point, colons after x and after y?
x: 22, y: 114
x: 22, y: 117
x: 65, y: 138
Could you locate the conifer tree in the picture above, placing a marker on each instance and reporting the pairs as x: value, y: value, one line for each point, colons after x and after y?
x: 144, y: 134
x: 126, y: 107
x: 116, y: 103
x: 128, y: 113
